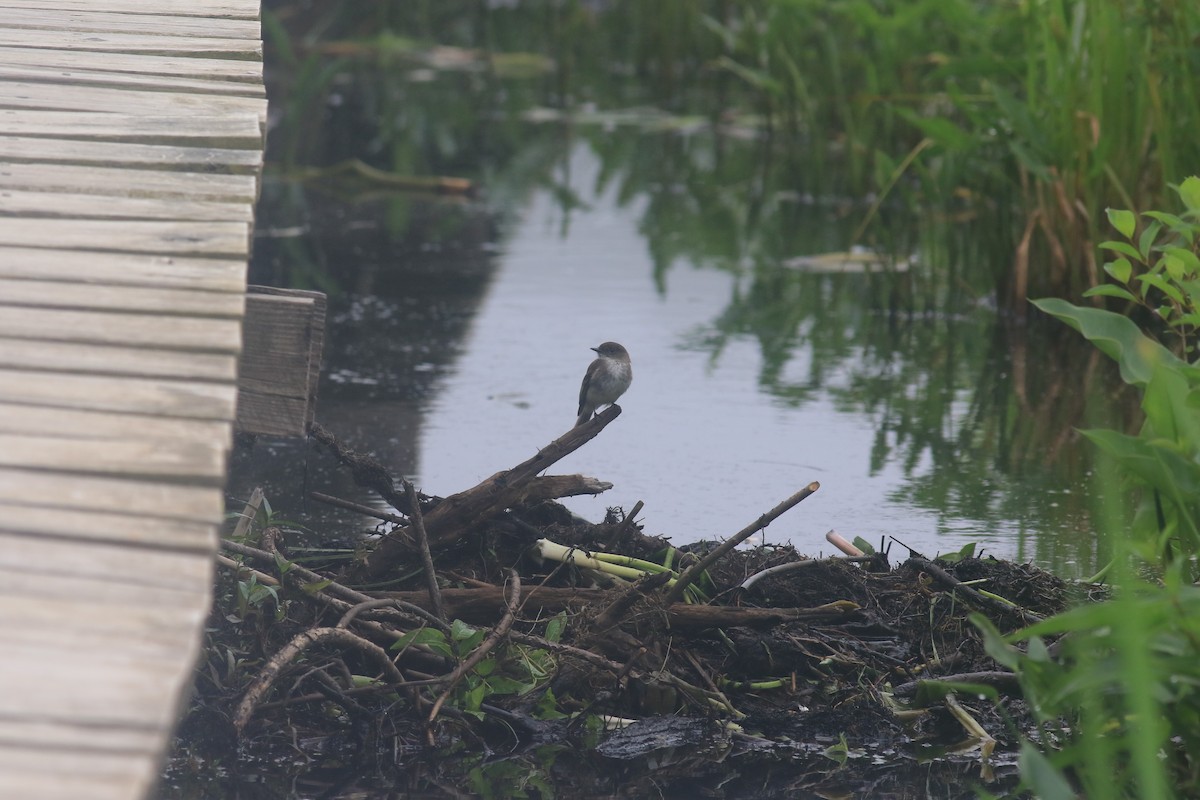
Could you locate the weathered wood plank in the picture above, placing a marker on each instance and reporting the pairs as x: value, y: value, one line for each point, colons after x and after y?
x: 73, y: 730
x: 239, y: 75
x: 200, y: 464
x: 118, y: 328
x: 244, y: 9
x: 164, y: 501
x: 279, y: 368
x: 158, y: 397
x: 123, y: 269
x: 66, y: 97
x: 69, y: 774
x: 131, y: 43
x: 57, y: 294
x: 110, y: 181
x: 35, y: 566
x: 159, y: 238
x: 85, y: 424
x: 99, y: 20
x: 140, y: 362
x: 74, y: 527
x: 155, y: 82
x: 241, y: 130
x: 112, y: 154
x: 17, y: 202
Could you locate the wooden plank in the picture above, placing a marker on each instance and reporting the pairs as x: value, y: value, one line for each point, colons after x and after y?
x: 157, y: 82
x: 157, y: 397
x: 109, y: 181
x: 241, y: 130
x: 111, y: 154
x: 95, y: 20
x: 69, y: 774
x: 244, y: 9
x: 34, y: 566
x: 153, y: 500
x: 140, y: 362
x: 123, y: 269
x: 131, y: 43
x: 120, y: 328
x: 75, y: 527
x: 16, y: 202
x: 159, y: 238
x: 65, y: 97
x: 84, y: 424
x: 239, y: 75
x: 57, y: 294
x: 200, y: 464
x: 67, y: 732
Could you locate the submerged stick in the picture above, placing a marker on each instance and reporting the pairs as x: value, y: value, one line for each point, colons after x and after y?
x: 693, y: 572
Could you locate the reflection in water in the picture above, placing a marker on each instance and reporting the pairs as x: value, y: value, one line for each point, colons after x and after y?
x: 459, y: 327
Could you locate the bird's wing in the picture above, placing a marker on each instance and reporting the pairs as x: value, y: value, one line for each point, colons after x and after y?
x: 583, y: 390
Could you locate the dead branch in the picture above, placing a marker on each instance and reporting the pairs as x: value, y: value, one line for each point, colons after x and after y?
x: 366, y: 511
x: 418, y: 524
x: 693, y: 572
x: 461, y: 512
x: 552, y: 487
x: 262, y: 684
x: 990, y: 603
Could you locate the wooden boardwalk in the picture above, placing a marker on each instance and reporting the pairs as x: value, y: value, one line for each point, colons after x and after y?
x: 131, y: 135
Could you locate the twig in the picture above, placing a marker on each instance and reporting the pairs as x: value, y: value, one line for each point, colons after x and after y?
x: 418, y: 522
x: 925, y: 565
x: 625, y: 525
x: 262, y: 684
x: 693, y: 572
x: 261, y: 577
x: 469, y: 663
x: 366, y: 511
x: 392, y: 602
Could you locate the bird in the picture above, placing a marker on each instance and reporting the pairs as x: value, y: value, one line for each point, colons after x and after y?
x: 607, y: 379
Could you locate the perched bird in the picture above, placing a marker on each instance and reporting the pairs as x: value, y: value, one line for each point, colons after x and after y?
x: 607, y: 379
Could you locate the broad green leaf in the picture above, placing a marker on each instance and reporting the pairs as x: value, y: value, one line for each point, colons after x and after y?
x: 1161, y: 283
x: 1046, y: 781
x: 1116, y: 336
x: 556, y: 626
x: 1120, y: 270
x: 460, y: 630
x: 1147, y: 239
x: 1123, y: 220
x: 1001, y: 651
x: 1185, y: 229
x: 1108, y: 290
x: 1186, y: 257
x: 1123, y: 248
x: 1189, y: 192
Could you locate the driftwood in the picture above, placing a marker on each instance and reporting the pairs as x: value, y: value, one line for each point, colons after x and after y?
x: 458, y: 513
x: 483, y: 605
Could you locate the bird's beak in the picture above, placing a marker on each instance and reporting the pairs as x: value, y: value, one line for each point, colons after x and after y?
x: 595, y: 349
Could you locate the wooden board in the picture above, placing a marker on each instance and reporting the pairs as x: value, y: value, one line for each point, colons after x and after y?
x: 159, y: 238
x: 123, y: 269
x: 240, y: 75
x: 131, y: 136
x: 112, y: 154
x: 240, y: 130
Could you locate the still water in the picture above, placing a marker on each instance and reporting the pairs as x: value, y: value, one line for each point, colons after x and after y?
x: 460, y: 328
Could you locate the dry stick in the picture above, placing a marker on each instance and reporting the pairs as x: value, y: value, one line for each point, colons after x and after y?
x: 794, y: 565
x: 385, y: 602
x: 366, y: 511
x: 693, y: 572
x: 925, y: 565
x: 418, y: 522
x: 493, y: 638
x: 261, y: 577
x: 626, y: 523
x: 333, y: 588
x: 262, y: 684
